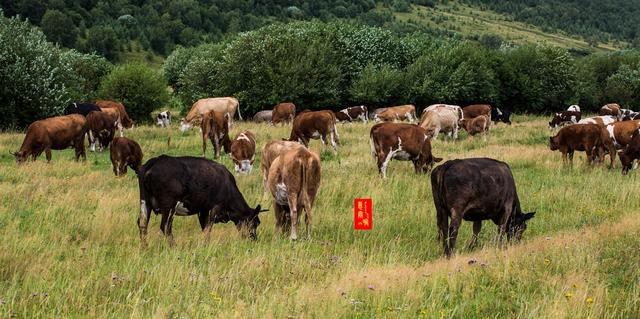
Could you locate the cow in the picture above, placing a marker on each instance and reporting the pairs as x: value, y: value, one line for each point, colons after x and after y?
x: 626, y: 114
x: 185, y: 186
x: 631, y: 116
x: 203, y: 106
x: 579, y: 137
x: 242, y: 151
x: 102, y: 128
x: 403, y: 142
x: 397, y: 113
x: 125, y: 152
x: 294, y: 180
x: 475, y: 110
x: 574, y: 108
x: 54, y: 133
x: 81, y: 108
x: 631, y: 153
x: 263, y: 116
x: 479, y: 124
x: 564, y: 118
x: 476, y: 189
x: 270, y: 152
x: 353, y: 113
x: 124, y: 121
x: 283, y: 113
x: 442, y: 117
x: 164, y: 119
x: 498, y: 115
x: 612, y: 109
x: 618, y: 135
x: 372, y: 115
x: 215, y: 127
x: 316, y: 125
x: 600, y: 120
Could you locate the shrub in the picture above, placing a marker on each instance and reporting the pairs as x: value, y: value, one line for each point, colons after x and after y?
x: 624, y: 86
x: 175, y: 63
x: 379, y: 86
x: 90, y: 69
x: 139, y: 88
x: 199, y: 78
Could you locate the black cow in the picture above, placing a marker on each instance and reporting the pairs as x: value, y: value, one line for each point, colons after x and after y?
x: 476, y: 189
x: 187, y: 186
x: 564, y: 118
x: 81, y: 108
x: 498, y: 115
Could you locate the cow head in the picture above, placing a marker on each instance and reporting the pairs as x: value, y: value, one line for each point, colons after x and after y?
x: 248, y: 225
x: 627, y: 162
x: 553, y: 143
x: 242, y: 165
x: 21, y: 156
x: 518, y: 225
x: 555, y: 122
x: 184, y: 125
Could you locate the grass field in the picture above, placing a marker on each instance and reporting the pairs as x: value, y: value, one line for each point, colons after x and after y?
x: 69, y: 243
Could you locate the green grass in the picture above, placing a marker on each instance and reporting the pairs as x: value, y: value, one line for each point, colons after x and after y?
x: 70, y: 245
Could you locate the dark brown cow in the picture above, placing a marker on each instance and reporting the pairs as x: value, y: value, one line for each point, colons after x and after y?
x: 125, y: 120
x: 102, y: 127
x: 618, y: 135
x: 125, y: 152
x: 564, y: 118
x: 475, y: 110
x: 479, y: 124
x: 243, y: 150
x: 263, y: 116
x: 612, y: 109
x: 579, y: 137
x: 294, y: 180
x: 215, y: 126
x: 353, y: 113
x: 315, y: 125
x: 476, y: 189
x: 403, y: 142
x: 283, y: 112
x: 631, y: 153
x: 55, y: 133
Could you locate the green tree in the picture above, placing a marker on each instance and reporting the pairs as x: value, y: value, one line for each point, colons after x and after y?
x: 59, y: 28
x: 103, y: 40
x: 623, y: 87
x: 379, y: 86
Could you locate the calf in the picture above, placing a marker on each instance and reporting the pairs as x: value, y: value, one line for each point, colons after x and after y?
x: 263, y: 116
x: 243, y: 150
x: 618, y: 135
x: 441, y: 117
x: 315, y: 125
x: 479, y: 124
x: 81, y: 108
x: 294, y: 180
x: 579, y: 137
x: 125, y: 152
x: 164, y: 119
x: 102, y: 128
x: 283, y: 113
x: 353, y: 113
x: 498, y: 115
x: 631, y: 153
x: 396, y: 113
x: 270, y: 152
x: 403, y: 142
x: 475, y: 110
x: 476, y: 189
x: 599, y: 120
x: 215, y: 127
x: 186, y: 186
x: 54, y: 133
x: 564, y: 118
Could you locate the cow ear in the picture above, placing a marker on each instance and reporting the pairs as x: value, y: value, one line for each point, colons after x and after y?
x: 528, y: 216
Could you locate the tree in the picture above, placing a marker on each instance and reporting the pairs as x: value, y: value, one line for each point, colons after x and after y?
x: 104, y: 41
x: 59, y: 28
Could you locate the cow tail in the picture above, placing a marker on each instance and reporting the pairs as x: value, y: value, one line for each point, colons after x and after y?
x: 239, y: 115
x: 373, y: 147
x: 335, y: 132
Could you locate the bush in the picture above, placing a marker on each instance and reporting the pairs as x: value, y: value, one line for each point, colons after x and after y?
x: 90, y: 69
x: 623, y: 87
x: 139, y: 88
x: 175, y: 63
x: 379, y: 86
x: 199, y: 78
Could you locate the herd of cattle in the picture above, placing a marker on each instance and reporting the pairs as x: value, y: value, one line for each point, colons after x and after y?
x: 469, y: 189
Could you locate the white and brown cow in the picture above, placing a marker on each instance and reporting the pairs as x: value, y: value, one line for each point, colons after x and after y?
x: 243, y: 150
x: 603, y: 120
x: 270, y: 152
x: 442, y: 118
x: 475, y: 110
x: 215, y: 127
x: 618, y: 136
x: 294, y: 180
x: 224, y: 105
x: 612, y: 109
x: 353, y: 113
x: 397, y: 113
x: 403, y: 142
x: 564, y: 118
x: 315, y: 125
x: 574, y: 108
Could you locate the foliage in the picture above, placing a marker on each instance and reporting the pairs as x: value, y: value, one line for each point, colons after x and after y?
x: 199, y: 77
x: 624, y: 86
x: 176, y: 63
x: 379, y: 86
x: 90, y: 69
x: 139, y: 88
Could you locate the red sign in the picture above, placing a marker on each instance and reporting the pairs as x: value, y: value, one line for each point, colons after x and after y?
x: 362, y: 216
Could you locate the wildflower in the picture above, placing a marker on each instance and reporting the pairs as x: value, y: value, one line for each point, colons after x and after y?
x: 215, y: 297
x: 547, y: 261
x: 589, y: 301
x: 568, y: 295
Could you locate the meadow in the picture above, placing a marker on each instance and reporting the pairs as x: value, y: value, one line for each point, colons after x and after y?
x: 69, y: 244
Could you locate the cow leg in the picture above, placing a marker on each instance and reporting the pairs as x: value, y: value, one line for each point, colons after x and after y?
x: 564, y: 157
x: 47, y: 151
x: 168, y: 228
x: 477, y: 226
x: 324, y: 143
x: 307, y: 219
x: 279, y: 217
x: 209, y: 221
x: 571, y: 157
x: 293, y: 207
x: 453, y: 232
x: 334, y: 142
x: 204, y: 145
x: 143, y: 221
x: 216, y: 147
x: 92, y: 141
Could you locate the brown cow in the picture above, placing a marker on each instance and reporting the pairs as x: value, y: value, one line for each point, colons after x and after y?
x: 215, y: 126
x: 102, y: 127
x: 294, y: 180
x: 283, y: 112
x: 124, y: 120
x: 198, y: 110
x: 404, y: 142
x: 243, y: 150
x: 475, y: 110
x: 397, y: 113
x: 618, y: 135
x: 315, y: 125
x: 579, y: 137
x: 54, y: 133
x: 631, y: 153
x: 270, y: 152
x: 612, y: 109
x: 125, y: 152
x: 353, y: 113
x: 479, y: 124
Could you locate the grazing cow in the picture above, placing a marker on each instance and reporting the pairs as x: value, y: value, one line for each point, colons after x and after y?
x: 574, y: 108
x: 81, y: 108
x: 270, y: 152
x: 353, y: 113
x: 54, y: 133
x: 242, y: 151
x: 263, y: 116
x: 125, y: 152
x: 564, y: 118
x: 403, y: 142
x: 203, y: 106
x: 215, y: 127
x: 372, y: 115
x: 164, y: 119
x: 283, y: 113
x: 441, y: 117
x: 479, y: 124
x: 185, y: 186
x: 102, y: 128
x: 579, y: 137
x: 475, y: 110
x: 476, y: 189
x: 397, y: 113
x: 498, y: 115
x: 612, y: 109
x: 631, y: 153
x: 631, y: 116
x: 600, y: 120
x: 124, y: 121
x: 315, y: 125
x: 618, y: 135
x: 294, y: 180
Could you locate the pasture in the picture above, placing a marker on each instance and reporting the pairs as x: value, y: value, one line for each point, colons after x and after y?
x: 69, y: 244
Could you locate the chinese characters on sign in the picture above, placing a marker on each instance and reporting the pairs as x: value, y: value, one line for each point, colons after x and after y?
x: 362, y: 216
